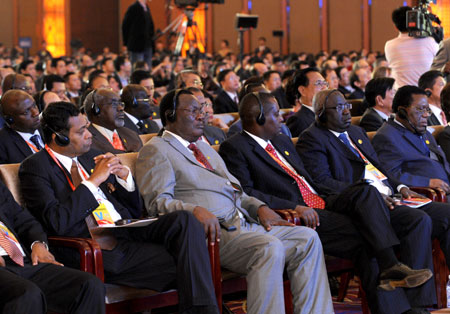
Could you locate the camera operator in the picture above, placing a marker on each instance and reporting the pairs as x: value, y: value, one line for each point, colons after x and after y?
x: 442, y: 60
x: 408, y: 57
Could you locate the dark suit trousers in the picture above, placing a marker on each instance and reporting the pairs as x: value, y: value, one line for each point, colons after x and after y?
x: 169, y: 253
x: 34, y: 289
x: 381, y: 228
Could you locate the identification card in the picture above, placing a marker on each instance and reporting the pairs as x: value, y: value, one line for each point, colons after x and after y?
x: 102, y: 216
x: 377, y: 173
x: 8, y: 233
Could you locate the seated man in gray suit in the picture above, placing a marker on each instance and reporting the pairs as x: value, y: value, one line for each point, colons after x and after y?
x: 105, y: 111
x: 179, y: 171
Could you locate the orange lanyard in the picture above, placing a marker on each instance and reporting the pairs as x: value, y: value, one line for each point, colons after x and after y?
x: 359, y: 152
x: 32, y: 146
x: 61, y: 167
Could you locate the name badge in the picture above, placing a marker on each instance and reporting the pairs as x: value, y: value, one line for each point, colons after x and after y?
x: 102, y: 216
x: 8, y: 233
x: 377, y: 173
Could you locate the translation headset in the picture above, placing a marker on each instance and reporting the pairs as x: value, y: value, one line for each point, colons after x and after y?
x: 135, y: 102
x: 95, y: 109
x: 321, y: 115
x: 8, y: 119
x: 60, y: 139
x: 171, y: 116
x: 404, y: 115
x: 261, y: 118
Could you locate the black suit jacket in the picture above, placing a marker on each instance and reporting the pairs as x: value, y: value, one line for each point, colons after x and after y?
x: 300, y: 121
x: 61, y: 210
x: 443, y: 140
x: 344, y: 91
x: 432, y: 120
x: 280, y: 95
x: 137, y: 28
x: 331, y: 163
x: 358, y: 93
x: 252, y: 165
x: 150, y: 126
x: 214, y: 135
x: 13, y: 148
x: 130, y: 140
x: 19, y: 221
x: 224, y: 104
x: 371, y: 120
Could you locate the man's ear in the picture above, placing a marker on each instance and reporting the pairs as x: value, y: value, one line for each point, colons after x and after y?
x: 379, y: 100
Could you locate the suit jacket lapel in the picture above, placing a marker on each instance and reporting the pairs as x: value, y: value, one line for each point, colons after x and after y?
x: 341, y: 147
x: 20, y: 143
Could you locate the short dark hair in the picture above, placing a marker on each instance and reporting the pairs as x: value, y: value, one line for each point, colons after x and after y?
x: 428, y: 79
x: 139, y: 75
x: 341, y: 57
x: 377, y: 86
x: 399, y: 18
x: 445, y: 101
x: 51, y: 79
x: 55, y: 62
x: 301, y: 79
x: 23, y: 65
x: 403, y: 97
x: 55, y: 118
x: 166, y: 103
x: 120, y: 60
x: 354, y: 78
x: 338, y: 71
x: 93, y: 75
x: 67, y: 76
x: 222, y: 74
x: 105, y: 60
x: 266, y: 75
x: 129, y: 92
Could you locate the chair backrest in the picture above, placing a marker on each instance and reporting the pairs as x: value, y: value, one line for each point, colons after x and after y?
x: 129, y: 159
x: 147, y: 137
x: 437, y: 130
x: 356, y: 104
x: 294, y: 140
x: 216, y: 147
x: 228, y: 118
x: 9, y: 174
x: 370, y: 135
x: 356, y: 120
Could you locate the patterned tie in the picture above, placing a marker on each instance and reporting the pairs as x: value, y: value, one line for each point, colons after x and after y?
x: 140, y: 126
x: 76, y: 178
x: 117, y: 142
x: 345, y: 140
x: 311, y: 199
x: 35, y: 140
x: 199, y: 156
x: 11, y: 248
x: 444, y: 119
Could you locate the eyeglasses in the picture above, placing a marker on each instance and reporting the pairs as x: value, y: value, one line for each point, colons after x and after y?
x: 195, y: 112
x: 321, y: 84
x: 116, y: 103
x: 143, y: 100
x: 25, y: 88
x: 421, y: 111
x: 198, y: 83
x: 342, y: 107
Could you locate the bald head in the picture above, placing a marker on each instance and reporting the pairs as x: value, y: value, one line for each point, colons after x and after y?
x: 20, y: 109
x: 16, y: 81
x: 109, y: 109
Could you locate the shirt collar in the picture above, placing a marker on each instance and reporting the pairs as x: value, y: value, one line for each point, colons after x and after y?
x: 132, y: 118
x: 436, y: 110
x: 65, y: 161
x: 337, y: 133
x: 179, y: 138
x: 260, y: 141
x: 105, y: 132
x: 232, y: 95
x: 27, y: 136
x: 381, y: 113
x: 309, y: 107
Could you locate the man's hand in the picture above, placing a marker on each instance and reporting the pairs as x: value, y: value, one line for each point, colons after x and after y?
x: 438, y: 183
x: 407, y: 193
x: 390, y: 202
x: 308, y: 215
x: 104, y: 166
x: 39, y: 254
x: 269, y: 218
x: 209, y: 222
x: 114, y: 162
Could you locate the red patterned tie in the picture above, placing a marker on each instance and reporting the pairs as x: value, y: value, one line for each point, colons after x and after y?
x: 311, y: 199
x: 11, y: 248
x: 117, y: 142
x: 199, y: 156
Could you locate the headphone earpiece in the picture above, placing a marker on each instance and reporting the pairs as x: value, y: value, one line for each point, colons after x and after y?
x: 8, y: 119
x: 95, y: 109
x: 402, y: 113
x: 261, y: 118
x: 321, y: 115
x: 171, y: 116
x: 135, y: 102
x: 60, y: 139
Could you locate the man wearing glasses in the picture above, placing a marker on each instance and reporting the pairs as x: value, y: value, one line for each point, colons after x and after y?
x: 338, y: 155
x: 138, y: 110
x: 307, y: 83
x: 16, y: 81
x: 105, y: 111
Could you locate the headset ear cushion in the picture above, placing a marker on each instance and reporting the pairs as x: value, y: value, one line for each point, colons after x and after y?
x: 9, y: 119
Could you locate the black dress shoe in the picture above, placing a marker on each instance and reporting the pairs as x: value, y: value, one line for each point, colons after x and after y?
x: 417, y: 310
x: 402, y: 276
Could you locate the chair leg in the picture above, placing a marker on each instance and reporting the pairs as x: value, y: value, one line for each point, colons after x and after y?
x: 440, y: 275
x: 364, y: 304
x: 343, y: 286
x: 288, y: 306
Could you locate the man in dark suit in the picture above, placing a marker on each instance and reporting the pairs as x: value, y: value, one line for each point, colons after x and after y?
x: 33, y: 281
x: 267, y: 178
x: 338, y: 154
x: 406, y: 149
x: 20, y: 137
x: 432, y: 82
x: 227, y: 100
x: 379, y: 95
x: 105, y: 111
x: 67, y: 183
x: 306, y: 83
x: 443, y: 138
x: 344, y: 81
x: 138, y: 110
x: 358, y: 80
x: 272, y: 81
x: 138, y: 31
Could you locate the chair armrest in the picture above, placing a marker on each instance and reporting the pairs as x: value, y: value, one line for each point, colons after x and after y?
x: 289, y: 215
x: 83, y: 247
x: 214, y: 258
x: 441, y: 195
x: 428, y: 192
x: 97, y: 258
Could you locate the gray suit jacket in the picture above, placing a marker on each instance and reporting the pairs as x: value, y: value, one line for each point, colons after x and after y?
x: 442, y: 56
x: 170, y: 178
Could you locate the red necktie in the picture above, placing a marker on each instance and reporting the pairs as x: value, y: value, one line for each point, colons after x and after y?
x: 199, y: 156
x: 311, y: 199
x: 11, y: 248
x: 444, y: 119
x: 117, y: 142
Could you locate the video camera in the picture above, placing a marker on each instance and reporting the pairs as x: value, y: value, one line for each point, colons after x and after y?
x: 195, y: 3
x: 419, y: 22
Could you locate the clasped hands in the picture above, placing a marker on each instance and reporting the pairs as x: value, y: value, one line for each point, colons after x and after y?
x: 105, y: 165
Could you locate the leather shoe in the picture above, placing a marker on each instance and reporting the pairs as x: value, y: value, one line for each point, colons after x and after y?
x: 417, y: 310
x: 402, y: 276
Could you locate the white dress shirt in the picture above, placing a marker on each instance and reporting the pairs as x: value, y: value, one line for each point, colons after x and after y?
x: 26, y: 137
